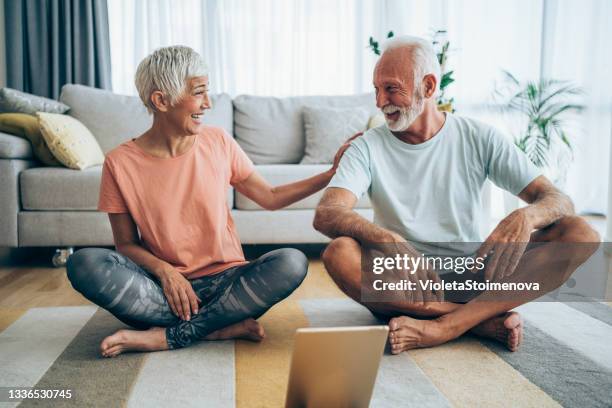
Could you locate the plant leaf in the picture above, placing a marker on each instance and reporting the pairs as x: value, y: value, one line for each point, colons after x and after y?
x: 446, y: 79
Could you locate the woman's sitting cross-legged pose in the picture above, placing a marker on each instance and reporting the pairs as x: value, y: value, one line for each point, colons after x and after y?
x: 184, y: 278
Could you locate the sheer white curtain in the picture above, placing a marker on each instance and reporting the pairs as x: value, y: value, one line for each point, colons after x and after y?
x: 266, y: 47
x: 306, y: 47
x: 577, y: 48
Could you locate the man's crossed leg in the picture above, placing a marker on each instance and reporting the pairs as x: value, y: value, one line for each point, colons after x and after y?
x: 426, y: 324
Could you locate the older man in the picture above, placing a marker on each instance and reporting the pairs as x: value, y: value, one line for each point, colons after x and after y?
x: 424, y: 172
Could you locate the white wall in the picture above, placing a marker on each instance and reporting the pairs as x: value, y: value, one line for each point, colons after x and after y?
x: 2, y: 47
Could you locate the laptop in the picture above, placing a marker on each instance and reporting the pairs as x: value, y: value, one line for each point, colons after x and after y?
x: 335, y: 366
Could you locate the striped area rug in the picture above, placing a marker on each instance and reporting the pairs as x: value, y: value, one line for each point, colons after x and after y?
x: 566, y: 360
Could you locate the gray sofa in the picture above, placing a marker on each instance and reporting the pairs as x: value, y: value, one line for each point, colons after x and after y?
x: 56, y: 206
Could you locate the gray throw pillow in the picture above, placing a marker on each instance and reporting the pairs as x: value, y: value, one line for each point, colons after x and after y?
x: 328, y: 128
x: 13, y: 101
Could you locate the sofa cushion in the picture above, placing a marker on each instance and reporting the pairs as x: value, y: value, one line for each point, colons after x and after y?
x: 14, y: 101
x: 59, y: 188
x: 282, y: 226
x: 27, y: 126
x: 278, y: 174
x: 271, y: 130
x: 13, y: 147
x: 329, y: 128
x: 114, y: 119
x: 71, y: 143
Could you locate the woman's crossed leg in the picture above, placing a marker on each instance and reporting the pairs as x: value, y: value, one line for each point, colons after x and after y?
x: 231, y: 299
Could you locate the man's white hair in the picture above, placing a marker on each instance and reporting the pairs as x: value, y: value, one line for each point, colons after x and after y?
x: 424, y: 58
x: 167, y: 70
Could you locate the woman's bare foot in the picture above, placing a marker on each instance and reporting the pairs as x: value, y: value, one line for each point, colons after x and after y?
x: 506, y: 328
x: 406, y: 333
x: 153, y: 339
x: 248, y: 329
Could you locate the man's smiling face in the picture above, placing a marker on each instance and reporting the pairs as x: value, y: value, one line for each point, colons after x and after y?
x: 396, y: 94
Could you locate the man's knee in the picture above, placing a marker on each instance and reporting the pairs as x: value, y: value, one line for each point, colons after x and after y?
x: 340, y: 248
x: 575, y: 229
x: 342, y: 260
x: 573, y: 237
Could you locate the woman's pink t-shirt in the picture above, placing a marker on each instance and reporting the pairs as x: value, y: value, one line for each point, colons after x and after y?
x: 180, y: 204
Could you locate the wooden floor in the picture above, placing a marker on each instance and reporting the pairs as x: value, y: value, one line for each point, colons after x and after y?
x: 26, y: 287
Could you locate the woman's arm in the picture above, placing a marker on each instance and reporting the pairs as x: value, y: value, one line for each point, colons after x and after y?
x: 177, y: 289
x: 272, y: 198
x: 127, y: 242
x: 259, y: 190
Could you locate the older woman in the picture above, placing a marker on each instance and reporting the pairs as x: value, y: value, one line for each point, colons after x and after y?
x: 184, y: 278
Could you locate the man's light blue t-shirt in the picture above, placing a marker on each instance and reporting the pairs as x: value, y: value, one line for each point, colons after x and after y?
x: 431, y: 192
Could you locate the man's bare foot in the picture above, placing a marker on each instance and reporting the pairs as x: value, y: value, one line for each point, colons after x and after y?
x: 153, y: 339
x: 506, y: 328
x: 248, y: 329
x: 406, y: 333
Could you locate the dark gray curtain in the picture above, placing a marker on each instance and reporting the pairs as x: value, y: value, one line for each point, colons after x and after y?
x: 50, y: 43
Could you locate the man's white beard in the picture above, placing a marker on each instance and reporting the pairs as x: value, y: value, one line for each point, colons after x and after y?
x: 407, y: 115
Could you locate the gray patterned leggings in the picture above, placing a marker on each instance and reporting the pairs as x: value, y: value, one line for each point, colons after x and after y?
x: 115, y: 283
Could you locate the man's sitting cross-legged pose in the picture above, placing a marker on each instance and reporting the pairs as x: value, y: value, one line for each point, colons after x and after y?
x: 424, y: 172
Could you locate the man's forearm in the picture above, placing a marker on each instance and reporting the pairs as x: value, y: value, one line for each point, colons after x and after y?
x: 336, y: 221
x: 549, y: 208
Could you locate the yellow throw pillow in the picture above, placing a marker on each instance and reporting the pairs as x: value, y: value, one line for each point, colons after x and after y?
x: 376, y: 121
x: 70, y: 141
x: 26, y: 126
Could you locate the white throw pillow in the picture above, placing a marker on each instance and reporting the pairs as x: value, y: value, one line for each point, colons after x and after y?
x: 70, y: 141
x: 328, y: 128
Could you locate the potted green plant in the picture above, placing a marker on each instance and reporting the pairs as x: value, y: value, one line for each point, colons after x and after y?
x: 441, y: 46
x: 546, y: 108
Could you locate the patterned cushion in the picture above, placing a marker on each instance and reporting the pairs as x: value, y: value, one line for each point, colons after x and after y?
x: 70, y: 141
x: 328, y: 128
x: 15, y: 101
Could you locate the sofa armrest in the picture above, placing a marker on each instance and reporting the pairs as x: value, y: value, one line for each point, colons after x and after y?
x: 13, y: 147
x: 10, y: 202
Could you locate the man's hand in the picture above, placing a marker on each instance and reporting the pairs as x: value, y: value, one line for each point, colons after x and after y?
x: 341, y: 151
x: 400, y: 246
x: 506, y: 245
x: 179, y: 293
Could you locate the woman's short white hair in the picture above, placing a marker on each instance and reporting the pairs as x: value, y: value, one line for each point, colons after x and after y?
x: 167, y: 70
x: 424, y: 58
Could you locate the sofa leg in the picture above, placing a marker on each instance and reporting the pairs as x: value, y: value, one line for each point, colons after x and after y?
x: 61, y: 256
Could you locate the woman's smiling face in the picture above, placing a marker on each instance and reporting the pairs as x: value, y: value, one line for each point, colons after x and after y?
x: 188, y: 112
